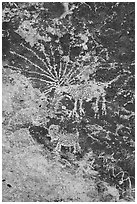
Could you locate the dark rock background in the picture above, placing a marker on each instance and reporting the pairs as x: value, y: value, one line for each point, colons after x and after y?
x: 46, y: 42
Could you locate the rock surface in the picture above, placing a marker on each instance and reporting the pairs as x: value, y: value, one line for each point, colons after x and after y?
x: 71, y: 65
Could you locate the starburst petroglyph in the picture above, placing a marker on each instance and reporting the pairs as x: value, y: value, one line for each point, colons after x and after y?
x: 43, y: 62
x: 63, y: 80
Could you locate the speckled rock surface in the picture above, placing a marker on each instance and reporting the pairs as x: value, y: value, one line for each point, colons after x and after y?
x: 71, y: 65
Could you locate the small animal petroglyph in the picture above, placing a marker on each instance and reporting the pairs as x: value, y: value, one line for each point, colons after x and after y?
x: 64, y: 139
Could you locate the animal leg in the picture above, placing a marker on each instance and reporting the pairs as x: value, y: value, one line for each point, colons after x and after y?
x: 58, y: 147
x: 77, y: 148
x: 74, y: 112
x: 81, y: 109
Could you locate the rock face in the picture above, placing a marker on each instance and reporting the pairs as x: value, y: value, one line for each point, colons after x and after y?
x: 72, y: 65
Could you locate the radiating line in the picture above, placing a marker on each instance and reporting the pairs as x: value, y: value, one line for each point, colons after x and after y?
x: 43, y: 80
x: 56, y: 74
x: 48, y: 89
x: 69, y: 74
x: 44, y: 63
x: 63, y: 74
x: 79, y: 74
x: 50, y: 86
x: 30, y: 72
x: 30, y: 62
x: 60, y: 62
x: 65, y: 70
x: 13, y: 67
x: 43, y: 75
x: 60, y: 69
x: 49, y: 67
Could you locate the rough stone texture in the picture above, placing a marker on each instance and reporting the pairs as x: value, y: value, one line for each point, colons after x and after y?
x: 29, y: 176
x: 72, y: 65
